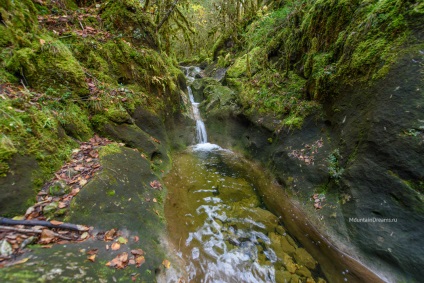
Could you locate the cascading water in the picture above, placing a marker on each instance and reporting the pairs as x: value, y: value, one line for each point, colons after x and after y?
x: 217, y: 221
x: 201, y: 135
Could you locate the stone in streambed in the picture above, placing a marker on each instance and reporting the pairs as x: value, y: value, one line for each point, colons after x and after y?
x: 59, y: 188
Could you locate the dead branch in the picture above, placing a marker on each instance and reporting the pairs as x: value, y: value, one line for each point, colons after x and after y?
x: 67, y: 226
x: 32, y: 231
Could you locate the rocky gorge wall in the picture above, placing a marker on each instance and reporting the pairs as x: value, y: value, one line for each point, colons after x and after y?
x: 361, y: 158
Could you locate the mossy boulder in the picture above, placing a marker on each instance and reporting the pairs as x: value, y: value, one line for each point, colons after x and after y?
x: 218, y: 98
x: 132, y: 136
x: 150, y: 123
x: 245, y: 65
x: 129, y: 18
x: 128, y: 208
x: 199, y: 85
x: 16, y: 189
x: 48, y: 62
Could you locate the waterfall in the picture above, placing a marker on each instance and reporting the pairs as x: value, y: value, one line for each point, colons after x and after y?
x: 201, y: 135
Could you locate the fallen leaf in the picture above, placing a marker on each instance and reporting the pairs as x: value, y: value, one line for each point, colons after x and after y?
x: 136, y: 238
x: 110, y: 235
x: 82, y: 228
x: 134, y: 277
x: 137, y: 252
x: 122, y: 240
x: 83, y: 182
x: 155, y: 200
x: 107, y: 247
x: 42, y: 42
x: 84, y: 236
x: 92, y: 252
x: 92, y: 258
x: 55, y: 222
x: 156, y: 185
x: 62, y: 205
x: 166, y: 263
x: 140, y: 260
x: 120, y: 261
x: 116, y: 246
x: 47, y: 236
x: 131, y: 262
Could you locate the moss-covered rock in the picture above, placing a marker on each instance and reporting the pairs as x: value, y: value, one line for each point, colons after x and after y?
x: 128, y: 208
x: 17, y: 186
x: 246, y: 65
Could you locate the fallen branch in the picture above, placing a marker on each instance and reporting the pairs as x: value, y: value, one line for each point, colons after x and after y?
x: 68, y: 226
x: 33, y: 231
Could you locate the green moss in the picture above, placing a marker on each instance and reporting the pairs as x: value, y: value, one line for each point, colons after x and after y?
x: 118, y: 114
x: 75, y: 122
x: 109, y: 149
x: 293, y: 121
x: 240, y: 66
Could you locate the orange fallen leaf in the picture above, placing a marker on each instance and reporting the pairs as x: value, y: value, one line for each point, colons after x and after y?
x: 116, y: 246
x: 54, y: 222
x: 47, y: 236
x: 166, y: 263
x: 120, y: 261
x: 109, y: 235
x: 92, y: 258
x: 140, y: 260
x: 136, y: 238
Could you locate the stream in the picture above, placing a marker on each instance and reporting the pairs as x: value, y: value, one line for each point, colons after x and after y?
x: 218, y: 223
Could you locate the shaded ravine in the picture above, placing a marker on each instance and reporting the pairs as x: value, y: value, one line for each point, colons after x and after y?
x: 221, y: 229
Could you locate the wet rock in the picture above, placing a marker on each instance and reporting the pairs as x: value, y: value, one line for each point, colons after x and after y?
x: 302, y: 257
x: 282, y: 276
x: 289, y: 264
x: 295, y: 279
x: 304, y: 272
x: 280, y: 230
x: 280, y: 245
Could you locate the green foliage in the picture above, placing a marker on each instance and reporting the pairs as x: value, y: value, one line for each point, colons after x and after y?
x: 75, y: 121
x: 318, y: 46
x: 334, y: 167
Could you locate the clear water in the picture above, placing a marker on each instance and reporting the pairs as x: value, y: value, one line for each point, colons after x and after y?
x: 218, y: 225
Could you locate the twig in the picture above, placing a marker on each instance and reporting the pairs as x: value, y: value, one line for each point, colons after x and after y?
x: 68, y: 226
x: 81, y: 25
x: 21, y: 230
